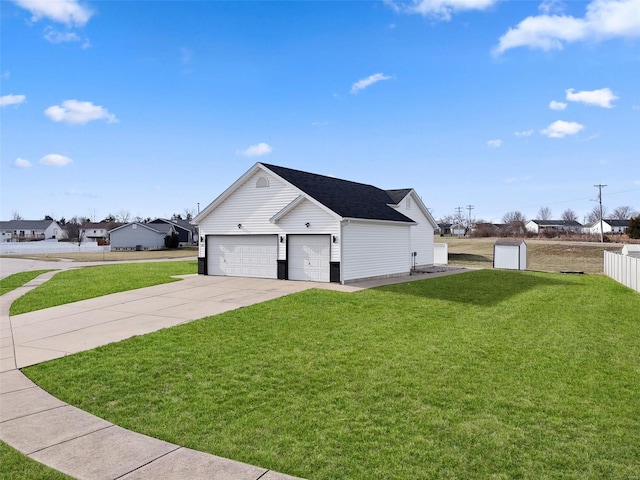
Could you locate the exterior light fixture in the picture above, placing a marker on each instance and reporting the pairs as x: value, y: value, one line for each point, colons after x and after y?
x: 307, y: 224
x: 239, y: 225
x: 281, y: 239
x: 335, y: 239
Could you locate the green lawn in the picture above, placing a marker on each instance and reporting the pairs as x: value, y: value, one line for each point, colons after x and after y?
x: 488, y: 374
x: 15, y: 465
x: 18, y: 279
x: 83, y: 283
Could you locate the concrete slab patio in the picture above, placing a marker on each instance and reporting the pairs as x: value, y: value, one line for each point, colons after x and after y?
x: 84, y: 446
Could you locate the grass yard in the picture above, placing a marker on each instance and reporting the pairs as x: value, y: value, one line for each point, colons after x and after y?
x: 81, y: 284
x: 487, y: 374
x: 542, y: 255
x: 18, y: 279
x: 15, y: 466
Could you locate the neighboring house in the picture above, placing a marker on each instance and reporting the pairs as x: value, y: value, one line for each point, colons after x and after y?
x: 183, y: 227
x: 140, y: 236
x: 608, y: 226
x: 537, y: 226
x: 444, y: 229
x: 98, y: 231
x: 30, y: 230
x: 276, y: 222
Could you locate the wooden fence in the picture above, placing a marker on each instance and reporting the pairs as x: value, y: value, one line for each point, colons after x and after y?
x: 623, y: 268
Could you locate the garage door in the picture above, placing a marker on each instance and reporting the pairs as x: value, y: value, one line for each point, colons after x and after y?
x: 243, y: 255
x: 308, y: 257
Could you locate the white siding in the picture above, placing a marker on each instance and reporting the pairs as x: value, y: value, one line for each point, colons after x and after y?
x: 131, y: 236
x: 375, y: 249
x: 251, y: 207
x: 320, y: 222
x: 421, y: 234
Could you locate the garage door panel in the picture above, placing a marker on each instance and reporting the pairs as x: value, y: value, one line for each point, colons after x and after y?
x: 308, y: 257
x: 243, y: 255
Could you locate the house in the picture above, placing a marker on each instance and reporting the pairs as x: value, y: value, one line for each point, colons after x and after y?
x: 183, y: 227
x: 30, y: 230
x: 98, y: 232
x: 276, y: 222
x: 140, y: 236
x: 538, y: 226
x: 608, y: 226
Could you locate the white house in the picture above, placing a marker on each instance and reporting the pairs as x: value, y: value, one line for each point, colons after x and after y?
x: 280, y: 223
x: 30, y: 230
x: 536, y: 226
x: 608, y: 226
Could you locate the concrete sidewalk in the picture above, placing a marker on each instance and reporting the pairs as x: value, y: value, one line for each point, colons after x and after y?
x: 84, y: 446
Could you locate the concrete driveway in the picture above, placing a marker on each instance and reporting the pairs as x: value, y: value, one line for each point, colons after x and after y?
x: 47, y: 334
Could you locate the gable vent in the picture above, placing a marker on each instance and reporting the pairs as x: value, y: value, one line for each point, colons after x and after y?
x: 409, y: 203
x: 262, y: 182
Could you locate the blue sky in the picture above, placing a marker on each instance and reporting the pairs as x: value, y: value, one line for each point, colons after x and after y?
x: 152, y: 107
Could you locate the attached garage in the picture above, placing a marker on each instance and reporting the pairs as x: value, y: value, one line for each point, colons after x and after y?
x: 309, y: 257
x: 276, y: 222
x: 243, y: 255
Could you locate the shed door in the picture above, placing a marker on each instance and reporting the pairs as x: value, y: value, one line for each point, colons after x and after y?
x: 243, y: 255
x: 308, y: 257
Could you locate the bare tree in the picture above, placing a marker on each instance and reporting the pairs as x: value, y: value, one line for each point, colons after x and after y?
x: 124, y: 216
x: 15, y: 215
x: 544, y: 213
x: 515, y: 222
x: 75, y: 229
x: 176, y: 216
x: 189, y: 213
x: 624, y: 213
x: 594, y: 215
x: 569, y: 215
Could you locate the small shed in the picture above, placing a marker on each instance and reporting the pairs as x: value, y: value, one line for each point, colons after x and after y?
x: 510, y: 254
x: 631, y: 250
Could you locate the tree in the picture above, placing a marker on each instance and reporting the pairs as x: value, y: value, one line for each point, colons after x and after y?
x: 110, y: 218
x: 515, y: 222
x: 172, y: 241
x: 633, y: 230
x: 594, y: 215
x: 623, y: 213
x: 48, y: 218
x: 569, y: 215
x: 75, y: 229
x: 176, y: 216
x: 544, y: 213
x: 15, y: 215
x: 189, y: 213
x: 124, y: 216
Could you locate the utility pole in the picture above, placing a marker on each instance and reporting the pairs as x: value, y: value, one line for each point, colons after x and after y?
x: 459, y: 219
x: 470, y: 207
x: 599, y: 187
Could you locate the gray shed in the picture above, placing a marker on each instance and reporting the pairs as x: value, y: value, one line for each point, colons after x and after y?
x: 631, y: 250
x: 510, y: 254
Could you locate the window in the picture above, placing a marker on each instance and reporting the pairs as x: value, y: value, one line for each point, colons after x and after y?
x: 262, y: 182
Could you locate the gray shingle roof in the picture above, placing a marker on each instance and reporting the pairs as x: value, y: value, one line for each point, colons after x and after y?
x: 345, y: 198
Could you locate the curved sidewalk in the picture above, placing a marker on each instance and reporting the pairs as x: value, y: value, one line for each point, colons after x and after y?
x: 87, y: 447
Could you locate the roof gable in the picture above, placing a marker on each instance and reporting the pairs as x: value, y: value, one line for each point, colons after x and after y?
x: 347, y: 199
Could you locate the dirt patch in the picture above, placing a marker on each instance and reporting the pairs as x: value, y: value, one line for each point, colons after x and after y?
x: 112, y: 256
x: 542, y: 255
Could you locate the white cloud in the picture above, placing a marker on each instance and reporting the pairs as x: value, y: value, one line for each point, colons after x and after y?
x: 256, y: 150
x: 69, y: 12
x: 601, y: 98
x: 55, y: 160
x: 603, y: 19
x: 560, y: 129
x: 553, y: 105
x: 524, y: 133
x: 54, y: 36
x: 73, y: 111
x: 7, y: 100
x: 22, y: 163
x: 439, y: 9
x: 497, y: 143
x: 551, y: 6
x: 367, y: 82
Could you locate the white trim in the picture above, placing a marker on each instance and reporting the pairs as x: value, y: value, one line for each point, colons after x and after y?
x: 282, y: 213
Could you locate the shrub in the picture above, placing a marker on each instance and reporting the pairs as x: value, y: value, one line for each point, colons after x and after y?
x: 172, y: 241
x: 634, y: 227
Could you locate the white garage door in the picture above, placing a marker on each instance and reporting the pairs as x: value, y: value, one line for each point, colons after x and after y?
x: 243, y: 255
x: 308, y: 257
